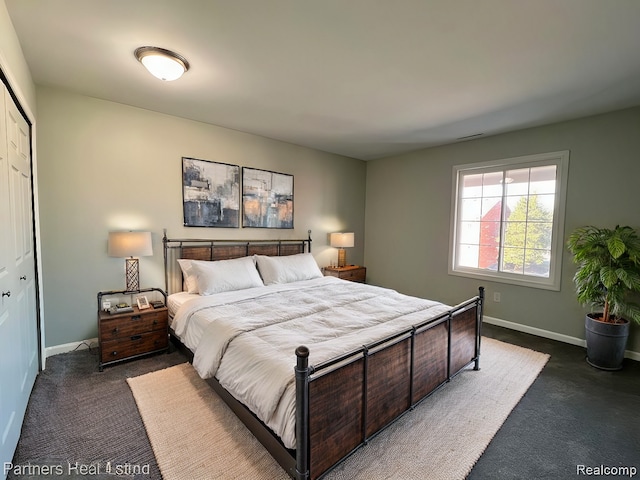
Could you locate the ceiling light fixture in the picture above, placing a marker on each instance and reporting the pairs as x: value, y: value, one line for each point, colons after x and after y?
x: 161, y: 63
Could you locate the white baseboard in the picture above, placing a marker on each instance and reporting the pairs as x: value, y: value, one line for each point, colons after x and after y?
x: 70, y: 347
x: 548, y: 334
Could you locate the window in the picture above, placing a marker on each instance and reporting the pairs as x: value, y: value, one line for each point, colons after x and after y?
x: 508, y: 220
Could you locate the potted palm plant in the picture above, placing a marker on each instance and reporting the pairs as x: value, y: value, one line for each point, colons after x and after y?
x: 607, y: 279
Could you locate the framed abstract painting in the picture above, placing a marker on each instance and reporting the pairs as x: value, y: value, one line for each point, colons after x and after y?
x: 210, y: 193
x: 267, y: 199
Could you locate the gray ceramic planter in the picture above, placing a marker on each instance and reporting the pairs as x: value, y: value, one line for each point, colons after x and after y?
x: 606, y: 343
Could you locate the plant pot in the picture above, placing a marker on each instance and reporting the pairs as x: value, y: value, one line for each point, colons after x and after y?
x: 606, y: 343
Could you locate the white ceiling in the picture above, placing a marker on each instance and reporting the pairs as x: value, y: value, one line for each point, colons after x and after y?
x: 362, y: 78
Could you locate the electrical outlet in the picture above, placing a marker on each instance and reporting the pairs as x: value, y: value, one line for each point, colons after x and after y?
x: 496, y: 297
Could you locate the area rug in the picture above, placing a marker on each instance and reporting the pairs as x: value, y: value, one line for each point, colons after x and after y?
x: 194, y: 435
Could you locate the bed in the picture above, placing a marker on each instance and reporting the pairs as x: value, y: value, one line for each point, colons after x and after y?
x: 314, y: 366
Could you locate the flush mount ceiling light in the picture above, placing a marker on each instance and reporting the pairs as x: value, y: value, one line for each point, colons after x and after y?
x: 161, y: 63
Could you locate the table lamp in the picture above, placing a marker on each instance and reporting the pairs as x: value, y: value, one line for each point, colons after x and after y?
x: 342, y: 241
x: 129, y: 245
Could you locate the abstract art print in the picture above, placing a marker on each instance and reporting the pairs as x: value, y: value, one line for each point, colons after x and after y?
x: 267, y: 199
x: 210, y: 193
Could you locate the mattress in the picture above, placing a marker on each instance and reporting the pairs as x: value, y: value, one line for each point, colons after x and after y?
x: 247, y: 338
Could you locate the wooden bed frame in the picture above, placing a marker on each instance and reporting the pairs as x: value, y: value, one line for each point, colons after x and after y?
x: 342, y: 403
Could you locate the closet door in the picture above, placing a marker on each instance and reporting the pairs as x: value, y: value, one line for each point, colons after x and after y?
x: 18, y: 309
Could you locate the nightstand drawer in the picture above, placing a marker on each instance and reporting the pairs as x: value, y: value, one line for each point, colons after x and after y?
x: 134, y: 345
x: 131, y: 324
x: 356, y: 275
x: 353, y: 273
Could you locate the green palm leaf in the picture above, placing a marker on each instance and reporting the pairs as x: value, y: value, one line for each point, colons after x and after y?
x: 608, y: 273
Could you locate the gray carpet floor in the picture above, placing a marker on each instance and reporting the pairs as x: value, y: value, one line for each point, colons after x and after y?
x: 573, y: 415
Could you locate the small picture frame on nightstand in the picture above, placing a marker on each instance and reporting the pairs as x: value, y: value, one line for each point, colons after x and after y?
x: 143, y: 303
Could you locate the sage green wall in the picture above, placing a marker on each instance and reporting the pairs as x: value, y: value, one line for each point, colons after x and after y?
x: 408, y: 211
x: 107, y: 166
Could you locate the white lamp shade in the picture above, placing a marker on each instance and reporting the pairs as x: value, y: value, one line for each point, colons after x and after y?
x: 342, y: 240
x: 130, y: 244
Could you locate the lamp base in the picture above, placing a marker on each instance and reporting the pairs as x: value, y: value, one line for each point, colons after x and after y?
x: 132, y: 275
x: 342, y: 257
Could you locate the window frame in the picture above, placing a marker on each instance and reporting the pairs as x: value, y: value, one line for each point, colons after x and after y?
x: 561, y: 160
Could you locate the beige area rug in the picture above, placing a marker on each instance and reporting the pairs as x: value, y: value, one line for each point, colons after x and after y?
x: 194, y: 435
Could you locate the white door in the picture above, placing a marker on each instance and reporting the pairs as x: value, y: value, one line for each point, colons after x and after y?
x: 18, y: 309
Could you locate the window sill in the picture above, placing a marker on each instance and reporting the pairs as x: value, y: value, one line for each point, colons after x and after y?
x: 531, y: 282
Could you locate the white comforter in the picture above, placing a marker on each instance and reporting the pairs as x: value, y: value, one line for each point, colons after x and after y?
x: 247, y: 338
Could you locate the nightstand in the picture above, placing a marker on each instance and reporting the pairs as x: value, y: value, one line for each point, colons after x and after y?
x: 128, y: 335
x: 353, y: 273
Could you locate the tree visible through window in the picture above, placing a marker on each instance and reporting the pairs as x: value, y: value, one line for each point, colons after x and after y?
x: 527, y: 238
x: 508, y: 221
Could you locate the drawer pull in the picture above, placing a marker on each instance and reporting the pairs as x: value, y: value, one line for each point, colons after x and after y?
x: 155, y: 322
x: 136, y: 337
x: 115, y: 330
x: 114, y: 353
x: 135, y: 317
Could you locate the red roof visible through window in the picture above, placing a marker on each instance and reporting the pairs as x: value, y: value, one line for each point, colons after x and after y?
x: 490, y: 237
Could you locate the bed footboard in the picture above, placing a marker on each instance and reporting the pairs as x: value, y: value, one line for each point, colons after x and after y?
x: 344, y: 402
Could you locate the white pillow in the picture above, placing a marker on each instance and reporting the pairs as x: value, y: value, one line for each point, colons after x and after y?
x: 188, y: 275
x: 287, y: 269
x: 226, y: 275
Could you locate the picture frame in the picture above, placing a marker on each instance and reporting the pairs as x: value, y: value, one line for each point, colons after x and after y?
x: 210, y: 193
x: 143, y: 302
x: 267, y: 199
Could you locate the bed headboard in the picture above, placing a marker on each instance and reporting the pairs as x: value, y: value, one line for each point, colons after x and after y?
x: 207, y: 249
